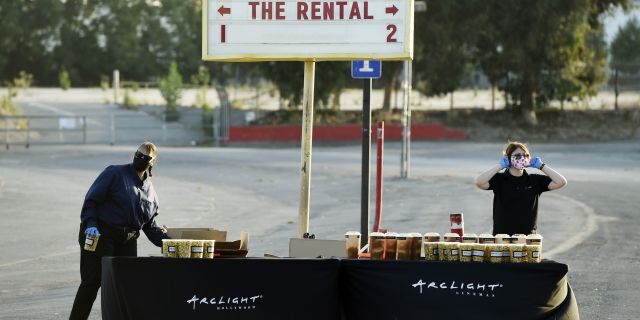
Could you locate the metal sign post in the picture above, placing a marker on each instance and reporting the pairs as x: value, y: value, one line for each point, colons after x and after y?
x: 366, y: 70
x: 406, y: 122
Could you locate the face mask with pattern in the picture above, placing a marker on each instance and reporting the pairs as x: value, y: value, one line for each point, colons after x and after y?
x: 519, y: 162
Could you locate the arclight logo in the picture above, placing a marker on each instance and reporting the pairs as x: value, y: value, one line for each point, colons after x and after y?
x: 477, y: 289
x: 226, y: 302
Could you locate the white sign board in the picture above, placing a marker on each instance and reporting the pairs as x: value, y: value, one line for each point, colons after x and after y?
x: 245, y: 30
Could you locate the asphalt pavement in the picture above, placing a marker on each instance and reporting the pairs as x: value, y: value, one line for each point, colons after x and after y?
x: 591, y: 224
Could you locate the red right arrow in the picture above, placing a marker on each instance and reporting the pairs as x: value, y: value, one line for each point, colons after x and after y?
x: 222, y: 10
x: 391, y: 10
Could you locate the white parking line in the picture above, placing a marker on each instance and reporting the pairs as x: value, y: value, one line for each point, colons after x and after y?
x: 52, y: 255
x: 590, y: 227
x: 50, y: 108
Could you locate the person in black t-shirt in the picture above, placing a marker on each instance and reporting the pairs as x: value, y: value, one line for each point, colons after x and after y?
x: 515, y: 191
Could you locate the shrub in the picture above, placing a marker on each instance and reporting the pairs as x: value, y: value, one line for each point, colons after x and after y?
x: 63, y: 78
x: 104, y: 83
x: 23, y: 81
x: 171, y: 88
x: 129, y: 102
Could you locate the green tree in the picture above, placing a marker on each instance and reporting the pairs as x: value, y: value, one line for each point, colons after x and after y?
x: 27, y: 32
x: 171, y: 89
x: 548, y: 49
x: 625, y: 48
x: 390, y: 77
x: 443, y: 46
x: 289, y: 79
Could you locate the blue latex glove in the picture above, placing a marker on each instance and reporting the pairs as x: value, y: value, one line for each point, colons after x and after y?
x: 91, y: 232
x: 536, y: 162
x: 504, y: 162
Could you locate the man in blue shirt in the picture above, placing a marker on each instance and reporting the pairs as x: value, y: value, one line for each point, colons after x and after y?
x: 119, y: 203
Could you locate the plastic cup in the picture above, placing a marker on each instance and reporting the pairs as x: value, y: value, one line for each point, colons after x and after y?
x: 169, y: 248
x: 466, y: 252
x: 534, y: 253
x: 518, y: 253
x: 352, y: 244
x: 209, y: 249
x: 444, y: 251
x: 486, y: 238
x: 184, y: 248
x: 451, y: 237
x: 416, y: 246
x: 91, y: 242
x: 376, y: 245
x: 431, y: 251
x: 432, y: 237
x: 519, y: 238
x: 390, y: 245
x: 197, y: 249
x: 495, y: 252
x: 534, y: 239
x: 454, y: 251
x: 479, y: 252
x: 403, y: 246
x: 470, y: 238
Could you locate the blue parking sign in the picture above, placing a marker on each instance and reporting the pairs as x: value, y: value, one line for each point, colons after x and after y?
x: 366, y: 69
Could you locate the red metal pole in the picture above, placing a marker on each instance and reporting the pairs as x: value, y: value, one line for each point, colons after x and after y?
x: 380, y: 152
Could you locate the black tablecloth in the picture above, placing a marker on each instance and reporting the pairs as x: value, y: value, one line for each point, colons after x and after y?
x: 441, y: 290
x: 164, y: 288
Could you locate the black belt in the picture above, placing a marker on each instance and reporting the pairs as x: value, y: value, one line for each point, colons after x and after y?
x: 126, y: 230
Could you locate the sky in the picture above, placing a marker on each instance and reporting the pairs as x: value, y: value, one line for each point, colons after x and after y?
x: 618, y: 19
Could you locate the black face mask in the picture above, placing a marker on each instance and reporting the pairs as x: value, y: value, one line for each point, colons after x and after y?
x: 141, y: 165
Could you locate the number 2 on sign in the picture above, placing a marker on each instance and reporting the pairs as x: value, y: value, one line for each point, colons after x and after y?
x: 393, y: 29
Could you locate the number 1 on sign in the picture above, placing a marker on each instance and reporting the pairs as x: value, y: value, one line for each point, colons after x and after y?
x: 223, y: 30
x: 393, y: 29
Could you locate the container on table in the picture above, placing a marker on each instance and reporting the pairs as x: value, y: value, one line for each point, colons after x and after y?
x: 416, y: 246
x: 451, y: 237
x: 184, y: 248
x: 197, y: 249
x: 169, y: 248
x: 403, y: 246
x: 466, y: 252
x: 480, y: 252
x: 376, y: 245
x: 432, y: 237
x: 91, y: 242
x: 431, y: 251
x: 352, y: 244
x: 209, y: 249
x: 390, y: 245
x: 454, y: 251
x: 469, y: 238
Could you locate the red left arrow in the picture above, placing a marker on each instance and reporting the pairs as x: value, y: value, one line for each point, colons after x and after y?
x: 222, y: 10
x: 393, y: 10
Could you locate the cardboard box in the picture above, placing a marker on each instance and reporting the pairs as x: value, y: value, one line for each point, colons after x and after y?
x: 314, y: 248
x: 224, y: 248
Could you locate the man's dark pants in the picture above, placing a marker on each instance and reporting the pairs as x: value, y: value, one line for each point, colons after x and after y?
x: 114, y: 241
